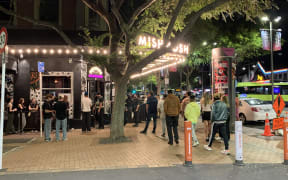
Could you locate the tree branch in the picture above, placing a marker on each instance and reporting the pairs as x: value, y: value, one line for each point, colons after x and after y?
x: 173, y: 20
x: 192, y: 20
x: 41, y: 23
x: 122, y: 24
x: 119, y: 3
x: 139, y: 10
x: 98, y: 8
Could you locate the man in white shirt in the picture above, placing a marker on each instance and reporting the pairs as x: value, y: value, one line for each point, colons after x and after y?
x: 86, y: 104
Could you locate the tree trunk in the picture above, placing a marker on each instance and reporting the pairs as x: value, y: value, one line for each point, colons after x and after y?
x: 188, y: 81
x: 117, y: 120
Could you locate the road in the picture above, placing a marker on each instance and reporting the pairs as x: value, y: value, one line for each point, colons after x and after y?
x: 197, y: 172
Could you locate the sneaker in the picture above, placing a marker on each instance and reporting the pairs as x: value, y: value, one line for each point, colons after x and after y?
x: 195, y: 144
x: 65, y: 139
x: 207, y: 139
x: 163, y: 135
x: 143, y: 132
x: 217, y: 138
x: 207, y: 148
x: 170, y: 143
x: 135, y: 125
x: 176, y: 141
x: 226, y: 152
x: 153, y: 131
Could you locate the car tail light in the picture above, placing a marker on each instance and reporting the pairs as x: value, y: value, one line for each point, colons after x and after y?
x: 255, y: 109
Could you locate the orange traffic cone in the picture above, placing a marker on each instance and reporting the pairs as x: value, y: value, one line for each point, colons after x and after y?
x: 267, y: 131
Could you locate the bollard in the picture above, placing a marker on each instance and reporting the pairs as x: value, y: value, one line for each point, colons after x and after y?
x: 188, y: 143
x: 238, y: 144
x: 285, y: 135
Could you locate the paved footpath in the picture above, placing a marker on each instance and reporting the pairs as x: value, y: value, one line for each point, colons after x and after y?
x: 83, y: 151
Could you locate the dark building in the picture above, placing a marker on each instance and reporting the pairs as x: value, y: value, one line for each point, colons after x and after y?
x: 65, y: 67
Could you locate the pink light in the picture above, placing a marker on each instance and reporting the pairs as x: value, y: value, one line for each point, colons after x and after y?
x: 95, y: 76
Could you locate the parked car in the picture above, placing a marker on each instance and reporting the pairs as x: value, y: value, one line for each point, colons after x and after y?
x: 251, y: 109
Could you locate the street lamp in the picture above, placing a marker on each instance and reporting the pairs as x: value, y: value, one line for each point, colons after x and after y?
x: 277, y: 19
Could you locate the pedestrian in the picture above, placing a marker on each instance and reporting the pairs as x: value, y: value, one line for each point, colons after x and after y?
x: 33, y: 114
x: 21, y: 115
x: 172, y: 110
x: 225, y: 100
x: 151, y: 112
x: 206, y: 103
x: 184, y: 103
x: 192, y: 113
x: 99, y: 110
x: 10, y: 122
x: 67, y: 112
x: 219, y: 116
x: 136, y: 107
x: 61, y: 118
x: 162, y: 114
x: 47, y: 115
x: 86, y: 104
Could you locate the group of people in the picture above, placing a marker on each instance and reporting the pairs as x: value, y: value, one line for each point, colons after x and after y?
x: 24, y: 114
x: 58, y: 110
x: 214, y: 112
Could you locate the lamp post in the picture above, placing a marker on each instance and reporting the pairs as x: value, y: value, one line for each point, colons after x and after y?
x: 265, y: 19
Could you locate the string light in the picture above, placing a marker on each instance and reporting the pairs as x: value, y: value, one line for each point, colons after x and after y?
x: 36, y: 51
x: 90, y: 51
x: 12, y: 51
x: 20, y: 51
x: 51, y: 51
x: 28, y: 51
x: 120, y: 52
x: 67, y: 51
x: 98, y: 51
x: 44, y: 51
x: 59, y: 51
x: 105, y: 51
x: 75, y: 51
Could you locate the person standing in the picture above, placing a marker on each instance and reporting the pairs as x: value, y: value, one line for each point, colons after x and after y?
x: 21, y: 115
x: 192, y: 113
x: 61, y: 118
x: 206, y: 103
x: 172, y: 109
x: 184, y: 103
x: 10, y: 122
x: 32, y: 114
x: 86, y: 104
x: 47, y: 115
x: 225, y: 100
x: 151, y: 112
x: 219, y: 116
x: 162, y: 114
x: 136, y: 106
x: 99, y: 110
x: 67, y: 111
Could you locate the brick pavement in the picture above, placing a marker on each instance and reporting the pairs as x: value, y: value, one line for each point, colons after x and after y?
x: 83, y: 151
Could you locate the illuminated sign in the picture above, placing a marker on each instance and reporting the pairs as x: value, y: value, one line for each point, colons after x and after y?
x: 154, y: 43
x: 260, y: 78
x: 95, y: 72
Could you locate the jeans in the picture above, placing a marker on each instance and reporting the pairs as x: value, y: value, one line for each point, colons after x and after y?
x: 172, y: 124
x: 86, y: 121
x: 163, y: 122
x: 21, y: 121
x: 221, y: 128
x: 47, y: 129
x: 194, y: 136
x: 63, y: 124
x: 149, y: 116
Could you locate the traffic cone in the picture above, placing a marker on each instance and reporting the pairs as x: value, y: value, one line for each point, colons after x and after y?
x: 267, y: 131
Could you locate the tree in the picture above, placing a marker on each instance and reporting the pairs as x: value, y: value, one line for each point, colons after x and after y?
x: 245, y: 39
x: 172, y: 20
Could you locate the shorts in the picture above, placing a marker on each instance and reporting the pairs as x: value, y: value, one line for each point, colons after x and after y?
x: 206, y: 116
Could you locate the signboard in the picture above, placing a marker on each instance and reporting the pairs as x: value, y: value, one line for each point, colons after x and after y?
x: 265, y: 36
x: 278, y: 105
x: 238, y: 141
x: 278, y: 123
x: 220, y: 59
x: 3, y: 39
x: 41, y: 67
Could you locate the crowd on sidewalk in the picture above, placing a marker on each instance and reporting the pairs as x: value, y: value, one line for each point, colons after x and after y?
x: 214, y: 111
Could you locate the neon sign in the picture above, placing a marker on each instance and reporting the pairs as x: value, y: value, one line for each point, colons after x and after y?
x: 154, y: 43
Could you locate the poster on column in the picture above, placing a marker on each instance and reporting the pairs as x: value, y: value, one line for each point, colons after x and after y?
x: 220, y: 59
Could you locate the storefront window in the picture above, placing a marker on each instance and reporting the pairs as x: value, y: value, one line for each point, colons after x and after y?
x: 56, y: 82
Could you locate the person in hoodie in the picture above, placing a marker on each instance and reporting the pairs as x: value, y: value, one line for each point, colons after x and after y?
x: 192, y: 113
x: 219, y: 116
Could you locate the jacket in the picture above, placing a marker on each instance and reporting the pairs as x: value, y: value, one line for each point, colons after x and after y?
x: 219, y: 113
x: 192, y: 112
x: 171, y: 105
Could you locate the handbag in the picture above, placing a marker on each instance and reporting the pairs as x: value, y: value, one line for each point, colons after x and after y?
x: 29, y: 114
